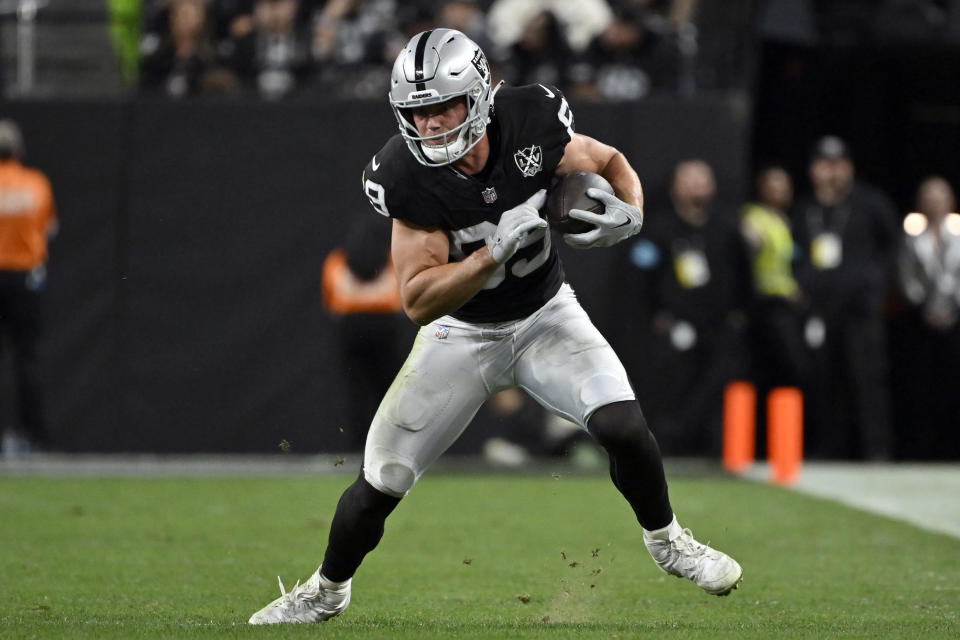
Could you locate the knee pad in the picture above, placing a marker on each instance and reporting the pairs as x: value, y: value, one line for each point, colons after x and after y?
x: 392, y: 477
x: 619, y: 425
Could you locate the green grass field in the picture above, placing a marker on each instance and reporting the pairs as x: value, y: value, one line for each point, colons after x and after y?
x: 473, y: 556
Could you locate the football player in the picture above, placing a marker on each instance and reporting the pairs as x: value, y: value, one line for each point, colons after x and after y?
x: 463, y: 182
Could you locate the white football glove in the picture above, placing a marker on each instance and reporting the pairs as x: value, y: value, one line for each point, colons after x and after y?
x: 514, y: 226
x: 618, y: 222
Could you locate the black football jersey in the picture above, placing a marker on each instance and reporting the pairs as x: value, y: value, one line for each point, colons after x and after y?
x: 529, y: 130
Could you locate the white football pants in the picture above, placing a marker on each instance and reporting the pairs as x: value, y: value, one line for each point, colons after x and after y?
x: 556, y: 355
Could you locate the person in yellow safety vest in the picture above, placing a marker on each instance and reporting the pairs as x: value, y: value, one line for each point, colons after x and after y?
x: 766, y: 228
x: 780, y: 355
x: 27, y: 220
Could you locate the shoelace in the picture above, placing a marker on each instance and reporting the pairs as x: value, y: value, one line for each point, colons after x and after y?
x: 291, y: 597
x: 686, y: 543
x: 690, y: 548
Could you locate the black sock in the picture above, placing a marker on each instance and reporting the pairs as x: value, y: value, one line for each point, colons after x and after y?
x: 356, y: 529
x: 636, y: 467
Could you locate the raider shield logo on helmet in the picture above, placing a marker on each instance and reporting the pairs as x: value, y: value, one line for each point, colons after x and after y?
x: 480, y: 63
x: 529, y: 160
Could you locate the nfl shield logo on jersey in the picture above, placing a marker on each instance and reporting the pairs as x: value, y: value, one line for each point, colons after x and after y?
x: 442, y: 333
x: 489, y: 195
x: 529, y: 160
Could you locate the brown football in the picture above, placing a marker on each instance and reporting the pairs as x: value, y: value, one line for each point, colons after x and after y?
x: 571, y: 193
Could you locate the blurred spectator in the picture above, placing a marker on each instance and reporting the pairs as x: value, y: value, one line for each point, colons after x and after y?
x: 930, y: 259
x: 928, y: 372
x: 780, y: 356
x: 633, y: 54
x: 580, y: 21
x: 231, y: 18
x: 178, y: 54
x: 355, y: 42
x: 690, y: 268
x: 27, y: 219
x: 272, y: 57
x: 910, y: 21
x: 360, y: 290
x: 466, y: 16
x: 846, y: 232
x: 126, y: 17
x: 541, y: 55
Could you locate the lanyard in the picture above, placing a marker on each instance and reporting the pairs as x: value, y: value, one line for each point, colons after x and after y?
x: 817, y: 219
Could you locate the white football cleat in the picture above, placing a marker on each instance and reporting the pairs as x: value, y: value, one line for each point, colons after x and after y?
x: 316, y: 600
x: 677, y: 552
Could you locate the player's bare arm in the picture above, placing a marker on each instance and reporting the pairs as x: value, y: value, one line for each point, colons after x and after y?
x: 430, y: 285
x: 584, y: 153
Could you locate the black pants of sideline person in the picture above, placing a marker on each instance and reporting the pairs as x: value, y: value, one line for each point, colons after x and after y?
x: 684, y: 402
x: 371, y: 348
x: 850, y: 405
x: 21, y: 320
x: 779, y: 355
x: 924, y: 382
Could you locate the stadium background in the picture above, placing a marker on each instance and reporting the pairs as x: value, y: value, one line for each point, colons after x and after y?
x: 184, y: 312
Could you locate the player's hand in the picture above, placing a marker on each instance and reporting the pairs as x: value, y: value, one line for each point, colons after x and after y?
x: 514, y: 226
x: 618, y: 222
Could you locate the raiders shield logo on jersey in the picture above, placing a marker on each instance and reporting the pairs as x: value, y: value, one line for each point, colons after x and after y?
x: 529, y: 160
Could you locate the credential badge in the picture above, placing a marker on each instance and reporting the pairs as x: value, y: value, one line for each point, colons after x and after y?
x: 529, y: 160
x: 489, y: 195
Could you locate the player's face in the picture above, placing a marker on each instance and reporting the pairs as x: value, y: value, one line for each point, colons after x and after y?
x: 437, y: 119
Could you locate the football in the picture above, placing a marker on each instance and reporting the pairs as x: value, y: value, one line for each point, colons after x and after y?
x: 571, y: 193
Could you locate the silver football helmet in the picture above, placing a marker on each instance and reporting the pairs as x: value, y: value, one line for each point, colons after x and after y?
x: 436, y: 66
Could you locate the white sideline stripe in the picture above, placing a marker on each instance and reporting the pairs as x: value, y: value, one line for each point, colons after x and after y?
x: 178, y: 465
x: 203, y: 465
x: 924, y: 495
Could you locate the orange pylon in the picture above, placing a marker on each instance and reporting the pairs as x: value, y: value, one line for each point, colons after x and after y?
x: 785, y: 434
x: 739, y: 425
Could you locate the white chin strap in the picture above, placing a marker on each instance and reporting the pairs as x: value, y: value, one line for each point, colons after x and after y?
x: 446, y: 153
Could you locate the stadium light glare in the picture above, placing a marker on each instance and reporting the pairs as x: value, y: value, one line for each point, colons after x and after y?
x: 952, y: 223
x: 915, y: 223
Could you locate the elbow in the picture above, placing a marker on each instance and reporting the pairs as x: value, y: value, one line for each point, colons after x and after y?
x: 417, y: 317
x: 418, y: 314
